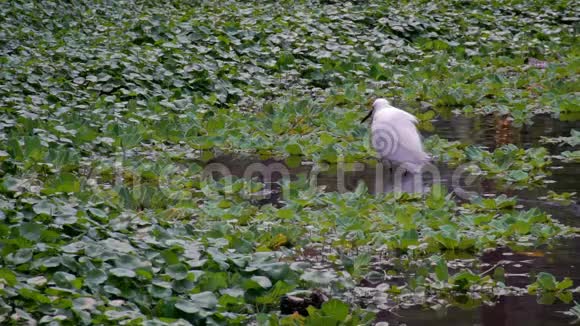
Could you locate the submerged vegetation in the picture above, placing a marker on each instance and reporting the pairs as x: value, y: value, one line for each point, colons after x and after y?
x: 110, y: 109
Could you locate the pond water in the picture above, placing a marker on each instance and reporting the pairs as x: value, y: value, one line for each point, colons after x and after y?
x: 562, y: 260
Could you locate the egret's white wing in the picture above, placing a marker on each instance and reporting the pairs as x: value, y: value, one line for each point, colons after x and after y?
x: 396, y: 138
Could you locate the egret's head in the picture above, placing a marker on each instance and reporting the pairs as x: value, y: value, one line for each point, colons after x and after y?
x: 377, y: 104
x: 380, y: 103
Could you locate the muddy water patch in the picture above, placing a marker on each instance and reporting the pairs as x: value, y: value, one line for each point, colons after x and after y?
x: 494, y: 131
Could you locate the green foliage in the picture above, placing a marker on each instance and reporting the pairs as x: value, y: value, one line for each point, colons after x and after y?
x: 332, y: 312
x: 104, y: 105
x: 548, y: 288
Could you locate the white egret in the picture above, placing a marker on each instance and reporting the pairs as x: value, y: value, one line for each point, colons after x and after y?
x: 395, y: 136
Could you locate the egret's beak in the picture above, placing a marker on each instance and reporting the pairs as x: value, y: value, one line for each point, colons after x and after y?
x: 368, y: 116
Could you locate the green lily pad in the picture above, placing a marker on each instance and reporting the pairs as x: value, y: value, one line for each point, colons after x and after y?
x: 96, y: 276
x: 122, y: 272
x: 22, y: 256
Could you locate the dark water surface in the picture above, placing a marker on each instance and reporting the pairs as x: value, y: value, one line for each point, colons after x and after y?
x: 562, y: 260
x: 493, y: 131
